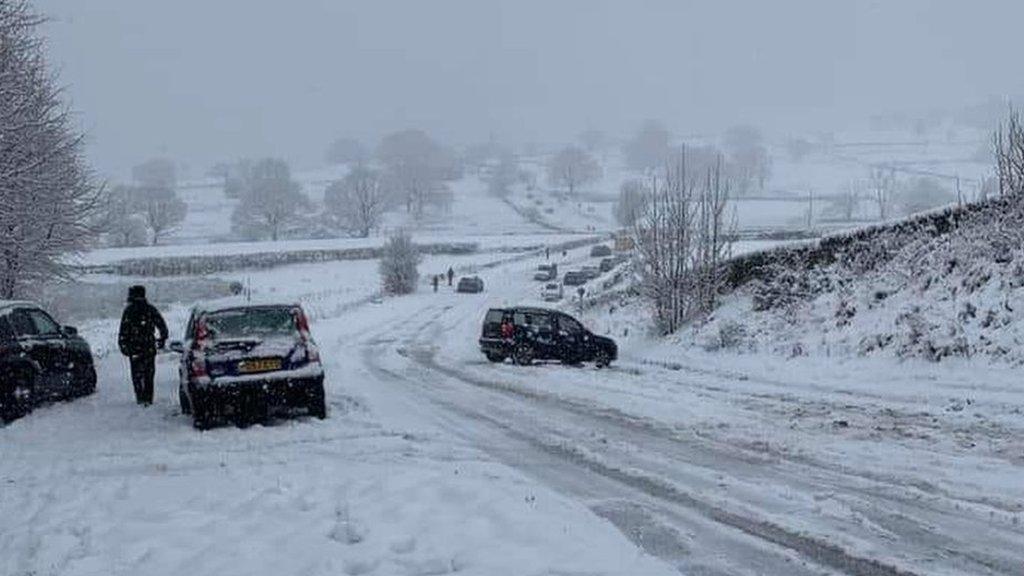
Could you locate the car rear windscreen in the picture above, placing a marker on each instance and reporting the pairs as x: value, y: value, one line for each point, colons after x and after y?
x: 251, y: 322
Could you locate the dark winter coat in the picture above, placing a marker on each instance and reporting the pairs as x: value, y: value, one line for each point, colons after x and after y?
x: 139, y: 325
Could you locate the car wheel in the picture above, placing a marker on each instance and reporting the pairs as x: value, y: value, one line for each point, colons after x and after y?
x: 87, y: 382
x: 202, y: 415
x: 186, y: 408
x: 602, y: 359
x: 16, y: 398
x: 318, y: 403
x: 495, y: 357
x: 523, y: 355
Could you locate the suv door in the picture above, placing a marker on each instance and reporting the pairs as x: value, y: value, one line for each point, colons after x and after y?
x: 41, y: 340
x: 538, y: 329
x: 571, y: 338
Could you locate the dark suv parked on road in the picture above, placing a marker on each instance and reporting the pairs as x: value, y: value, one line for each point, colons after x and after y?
x: 39, y: 360
x: 242, y: 359
x: 528, y: 334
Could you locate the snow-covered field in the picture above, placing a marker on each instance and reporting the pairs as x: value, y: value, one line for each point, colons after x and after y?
x: 435, y: 461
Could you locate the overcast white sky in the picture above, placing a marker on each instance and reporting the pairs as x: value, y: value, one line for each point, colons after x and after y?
x: 208, y: 80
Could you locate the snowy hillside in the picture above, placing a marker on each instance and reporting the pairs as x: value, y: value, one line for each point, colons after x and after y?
x: 945, y: 284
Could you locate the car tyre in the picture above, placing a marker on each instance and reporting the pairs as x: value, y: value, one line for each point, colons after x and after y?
x: 602, y: 359
x: 202, y: 417
x: 318, y: 403
x: 186, y: 407
x: 17, y: 397
x: 523, y: 355
x: 88, y: 383
x: 495, y: 357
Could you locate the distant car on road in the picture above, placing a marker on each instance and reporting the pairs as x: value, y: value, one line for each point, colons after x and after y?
x: 590, y: 272
x: 470, y: 285
x: 40, y: 360
x: 551, y: 292
x: 607, y: 264
x: 575, y: 278
x: 600, y: 251
x: 529, y: 334
x: 546, y: 272
x: 241, y: 360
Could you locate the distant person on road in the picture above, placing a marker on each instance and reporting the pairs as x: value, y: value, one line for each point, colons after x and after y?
x: 451, y: 274
x: 143, y: 331
x: 547, y: 253
x: 435, y: 280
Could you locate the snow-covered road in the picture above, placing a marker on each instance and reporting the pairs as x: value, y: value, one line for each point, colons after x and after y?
x: 434, y: 461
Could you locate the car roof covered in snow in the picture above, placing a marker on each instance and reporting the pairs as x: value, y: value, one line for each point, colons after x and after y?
x: 527, y: 310
x: 236, y: 303
x: 5, y: 304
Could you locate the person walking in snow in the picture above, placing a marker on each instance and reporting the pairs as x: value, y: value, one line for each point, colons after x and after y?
x: 434, y: 280
x: 143, y: 331
x: 451, y: 274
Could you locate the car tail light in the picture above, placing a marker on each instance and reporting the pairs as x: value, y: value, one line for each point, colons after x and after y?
x: 202, y: 334
x: 197, y: 366
x: 302, y: 324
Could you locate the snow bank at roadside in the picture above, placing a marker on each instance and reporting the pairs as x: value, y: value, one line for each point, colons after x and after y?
x: 914, y: 290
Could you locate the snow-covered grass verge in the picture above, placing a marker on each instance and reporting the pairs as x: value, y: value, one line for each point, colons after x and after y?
x: 948, y: 283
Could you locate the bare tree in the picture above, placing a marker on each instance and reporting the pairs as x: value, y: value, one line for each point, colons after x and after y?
x: 798, y: 148
x: 416, y: 169
x: 681, y: 241
x: 270, y: 201
x: 346, y: 151
x: 1008, y: 142
x: 482, y: 154
x: 649, y: 147
x: 162, y: 209
x: 155, y: 196
x: 48, y: 196
x: 399, y: 264
x: 120, y: 219
x: 748, y: 158
x: 846, y: 203
x: 883, y: 187
x: 631, y: 203
x: 358, y: 200
x: 156, y: 173
x: 506, y: 173
x: 571, y: 168
x: 593, y: 140
x: 923, y: 194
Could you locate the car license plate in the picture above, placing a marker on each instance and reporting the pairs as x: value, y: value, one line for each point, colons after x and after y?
x: 259, y: 365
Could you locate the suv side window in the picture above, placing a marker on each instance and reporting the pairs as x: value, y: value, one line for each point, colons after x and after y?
x: 45, y: 326
x: 6, y: 332
x: 533, y: 321
x: 190, y: 326
x: 570, y: 325
x: 21, y: 324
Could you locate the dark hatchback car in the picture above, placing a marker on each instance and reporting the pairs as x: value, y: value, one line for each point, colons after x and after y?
x: 470, y: 285
x: 40, y: 360
x: 244, y: 360
x: 528, y: 334
x: 576, y: 278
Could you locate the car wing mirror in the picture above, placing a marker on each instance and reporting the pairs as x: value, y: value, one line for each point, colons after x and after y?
x: 176, y: 346
x: 69, y: 331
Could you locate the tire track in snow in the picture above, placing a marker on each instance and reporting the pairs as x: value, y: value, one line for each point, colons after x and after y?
x: 821, y: 552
